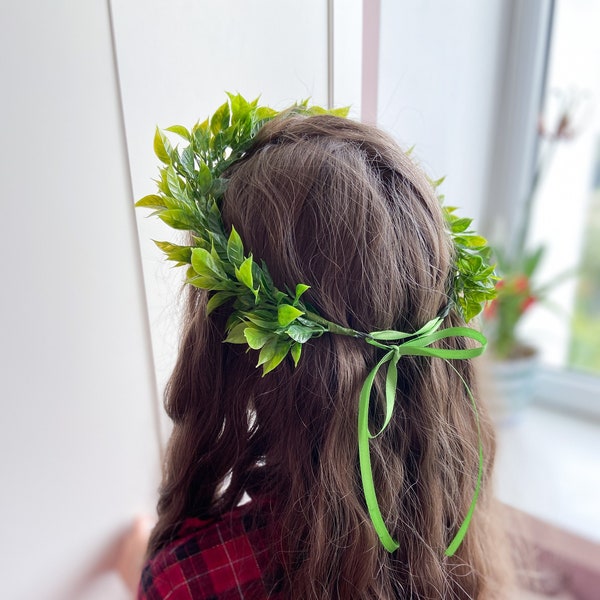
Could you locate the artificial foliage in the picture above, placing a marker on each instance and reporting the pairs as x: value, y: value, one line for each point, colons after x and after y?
x: 275, y: 322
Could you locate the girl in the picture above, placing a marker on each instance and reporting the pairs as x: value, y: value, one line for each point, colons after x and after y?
x: 264, y: 494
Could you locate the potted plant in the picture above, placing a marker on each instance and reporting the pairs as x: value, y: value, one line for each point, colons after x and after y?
x: 518, y: 287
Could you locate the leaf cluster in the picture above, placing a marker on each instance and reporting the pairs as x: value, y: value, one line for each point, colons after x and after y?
x: 474, y: 280
x: 190, y: 189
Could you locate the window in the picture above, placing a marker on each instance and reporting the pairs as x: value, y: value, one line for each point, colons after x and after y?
x: 566, y: 214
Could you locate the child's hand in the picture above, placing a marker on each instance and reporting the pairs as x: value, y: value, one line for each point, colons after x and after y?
x: 132, y: 550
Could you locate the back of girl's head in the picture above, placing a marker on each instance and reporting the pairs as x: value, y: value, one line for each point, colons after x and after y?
x: 337, y: 205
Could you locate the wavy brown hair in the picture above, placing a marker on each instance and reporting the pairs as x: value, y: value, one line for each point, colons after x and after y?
x: 337, y: 205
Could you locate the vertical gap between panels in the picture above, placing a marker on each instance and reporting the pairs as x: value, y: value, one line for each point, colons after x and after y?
x: 135, y: 234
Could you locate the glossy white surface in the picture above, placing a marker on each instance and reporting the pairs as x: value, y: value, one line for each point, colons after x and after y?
x: 548, y: 464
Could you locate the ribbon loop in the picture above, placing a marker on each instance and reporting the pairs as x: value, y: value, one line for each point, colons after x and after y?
x: 415, y: 344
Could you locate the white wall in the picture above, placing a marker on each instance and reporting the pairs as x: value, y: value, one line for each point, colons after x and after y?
x: 439, y: 77
x: 78, y: 451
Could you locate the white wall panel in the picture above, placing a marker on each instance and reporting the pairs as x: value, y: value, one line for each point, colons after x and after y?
x: 440, y: 70
x: 78, y: 447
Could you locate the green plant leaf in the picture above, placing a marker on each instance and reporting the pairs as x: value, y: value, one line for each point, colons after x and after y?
x: 287, y: 313
x: 299, y: 333
x: 264, y: 113
x: 181, y: 131
x: 257, y: 338
x: 205, y: 264
x: 201, y: 137
x: 175, y: 185
x: 187, y: 160
x: 236, y: 334
x: 220, y: 120
x: 162, y: 147
x: 235, y: 248
x: 295, y: 351
x: 203, y: 282
x: 532, y: 260
x: 281, y: 350
x: 244, y: 273
x: 300, y: 289
x: 204, y: 178
x: 217, y: 300
x: 340, y: 112
x: 180, y: 254
x: 267, y: 351
x: 178, y: 219
x: 460, y: 225
x: 151, y: 201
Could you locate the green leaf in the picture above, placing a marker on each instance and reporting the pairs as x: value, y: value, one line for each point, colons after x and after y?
x: 220, y: 120
x: 203, y: 282
x: 205, y: 264
x: 181, y: 131
x: 201, y: 137
x: 316, y: 110
x: 280, y: 353
x: 162, y: 147
x: 151, y: 201
x: 244, y: 273
x: 175, y: 185
x: 236, y: 334
x: 532, y: 261
x: 178, y: 219
x: 287, y: 313
x: 180, y: 254
x: 187, y: 160
x: 299, y: 333
x: 460, y: 225
x: 267, y: 351
x: 264, y: 113
x: 300, y: 289
x: 340, y: 112
x: 217, y: 300
x: 476, y: 241
x: 235, y: 248
x: 295, y: 351
x: 204, y: 178
x: 257, y: 338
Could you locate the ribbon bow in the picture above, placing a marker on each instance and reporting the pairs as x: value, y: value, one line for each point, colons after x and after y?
x: 416, y: 344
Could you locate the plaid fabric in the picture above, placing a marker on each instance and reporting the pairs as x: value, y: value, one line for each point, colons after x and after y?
x: 227, y: 559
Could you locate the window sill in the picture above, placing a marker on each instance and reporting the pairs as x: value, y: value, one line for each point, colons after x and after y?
x: 571, y: 391
x: 548, y: 466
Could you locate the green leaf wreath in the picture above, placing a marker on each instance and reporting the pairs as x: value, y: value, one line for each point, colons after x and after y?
x: 277, y: 322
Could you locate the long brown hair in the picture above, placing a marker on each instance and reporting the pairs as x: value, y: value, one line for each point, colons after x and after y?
x: 337, y: 205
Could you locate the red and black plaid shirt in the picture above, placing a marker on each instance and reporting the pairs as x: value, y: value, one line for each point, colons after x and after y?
x: 226, y: 559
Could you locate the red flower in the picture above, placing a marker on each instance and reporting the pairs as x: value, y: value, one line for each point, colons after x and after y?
x: 521, y: 283
x: 527, y: 303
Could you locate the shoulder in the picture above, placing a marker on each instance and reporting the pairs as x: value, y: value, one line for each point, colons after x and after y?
x: 225, y: 558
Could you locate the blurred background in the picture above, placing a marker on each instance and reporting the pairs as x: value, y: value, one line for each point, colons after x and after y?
x: 501, y: 97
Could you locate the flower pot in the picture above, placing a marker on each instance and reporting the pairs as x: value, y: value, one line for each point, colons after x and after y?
x: 513, y: 385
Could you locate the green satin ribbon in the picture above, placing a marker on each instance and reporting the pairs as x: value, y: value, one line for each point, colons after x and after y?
x: 416, y: 344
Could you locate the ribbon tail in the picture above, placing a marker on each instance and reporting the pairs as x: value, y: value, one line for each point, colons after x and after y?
x: 364, y: 455
x: 458, y: 538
